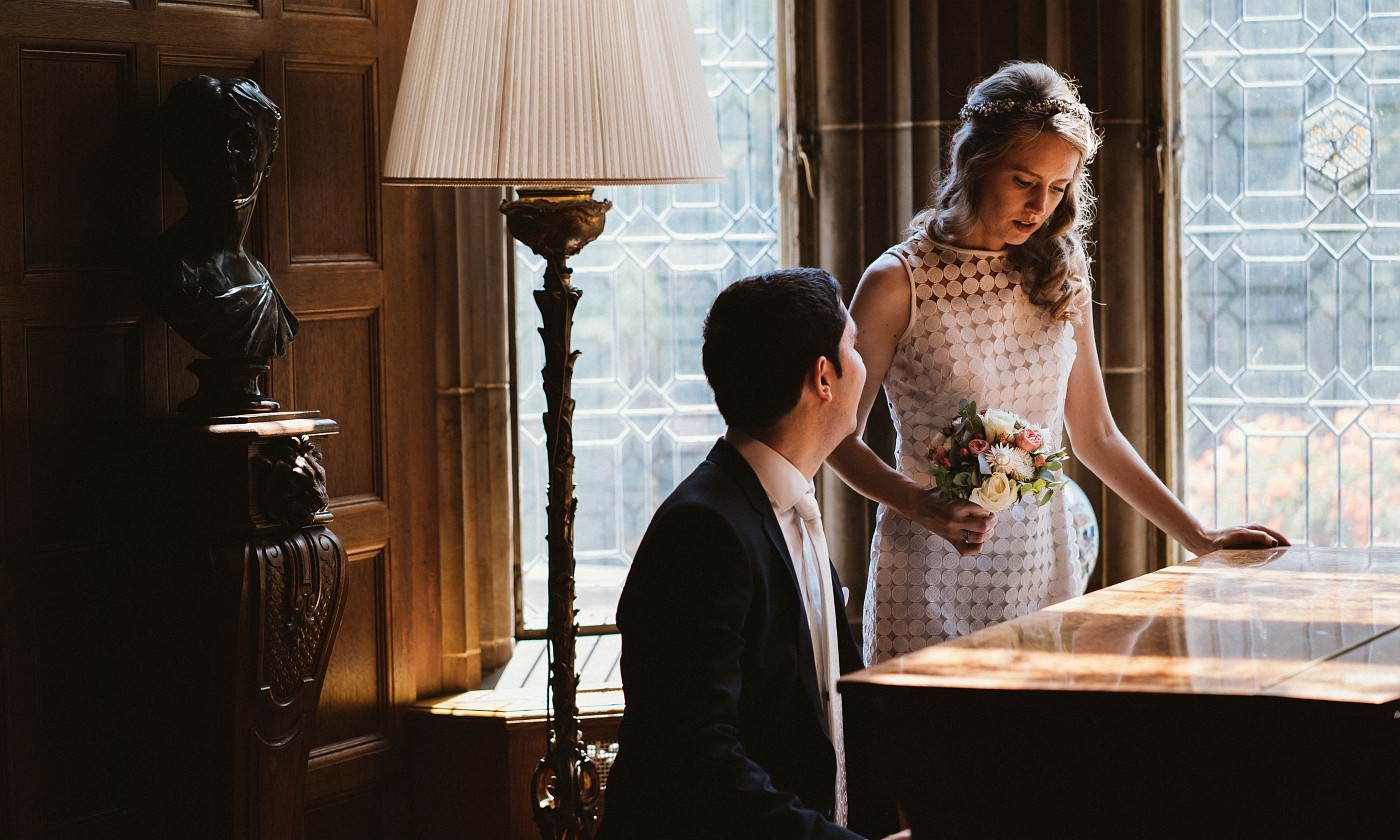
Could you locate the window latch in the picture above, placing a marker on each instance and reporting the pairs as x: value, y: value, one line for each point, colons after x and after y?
x: 800, y: 149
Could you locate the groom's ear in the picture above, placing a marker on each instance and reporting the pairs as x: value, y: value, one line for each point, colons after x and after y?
x: 822, y: 376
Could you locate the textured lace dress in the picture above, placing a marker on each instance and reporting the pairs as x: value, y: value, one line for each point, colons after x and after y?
x: 972, y: 335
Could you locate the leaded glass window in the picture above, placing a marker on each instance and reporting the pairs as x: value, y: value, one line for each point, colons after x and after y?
x: 1291, y: 265
x: 645, y: 415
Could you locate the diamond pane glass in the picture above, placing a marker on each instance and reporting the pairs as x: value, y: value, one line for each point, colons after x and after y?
x: 1291, y: 266
x: 644, y: 415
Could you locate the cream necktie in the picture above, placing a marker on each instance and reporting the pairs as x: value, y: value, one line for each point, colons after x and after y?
x: 816, y: 575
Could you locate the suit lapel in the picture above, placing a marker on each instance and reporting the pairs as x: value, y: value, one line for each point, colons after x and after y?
x: 729, y: 460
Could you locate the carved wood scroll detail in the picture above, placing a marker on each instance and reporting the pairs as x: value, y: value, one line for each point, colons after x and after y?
x: 301, y: 575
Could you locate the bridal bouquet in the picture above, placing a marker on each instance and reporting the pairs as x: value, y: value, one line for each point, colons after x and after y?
x: 995, y: 459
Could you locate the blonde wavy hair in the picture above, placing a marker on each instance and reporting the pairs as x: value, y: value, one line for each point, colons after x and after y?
x: 1005, y: 110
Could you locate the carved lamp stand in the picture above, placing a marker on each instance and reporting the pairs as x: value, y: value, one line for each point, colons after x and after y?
x: 495, y: 92
x: 556, y: 224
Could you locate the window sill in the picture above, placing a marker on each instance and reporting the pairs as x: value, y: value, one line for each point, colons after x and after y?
x: 596, y: 660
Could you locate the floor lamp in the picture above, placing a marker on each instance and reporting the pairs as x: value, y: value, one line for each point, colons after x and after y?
x: 554, y: 98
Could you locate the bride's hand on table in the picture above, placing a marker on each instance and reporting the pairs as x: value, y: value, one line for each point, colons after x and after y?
x: 964, y: 524
x: 1249, y: 535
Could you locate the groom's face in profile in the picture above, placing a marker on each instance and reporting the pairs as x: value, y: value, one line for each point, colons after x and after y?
x: 848, y: 386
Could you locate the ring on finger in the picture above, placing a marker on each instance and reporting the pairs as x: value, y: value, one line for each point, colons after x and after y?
x: 967, y: 538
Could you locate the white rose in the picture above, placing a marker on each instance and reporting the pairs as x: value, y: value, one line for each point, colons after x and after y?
x: 998, y: 422
x: 996, y: 493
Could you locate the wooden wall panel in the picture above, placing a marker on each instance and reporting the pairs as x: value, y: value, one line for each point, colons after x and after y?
x: 329, y: 152
x: 368, y: 817
x: 85, y: 639
x: 84, y: 382
x: 351, y: 8
x: 237, y: 4
x: 334, y: 369
x: 75, y: 135
x: 77, y: 665
x: 355, y: 699
x: 179, y: 383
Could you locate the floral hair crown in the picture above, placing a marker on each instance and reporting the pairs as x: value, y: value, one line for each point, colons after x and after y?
x: 1043, y: 107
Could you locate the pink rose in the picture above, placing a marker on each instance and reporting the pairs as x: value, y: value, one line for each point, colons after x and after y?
x: 1029, y: 439
x: 1039, y: 461
x: 977, y: 446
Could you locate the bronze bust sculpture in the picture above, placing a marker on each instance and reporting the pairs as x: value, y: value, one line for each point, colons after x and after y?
x: 218, y: 138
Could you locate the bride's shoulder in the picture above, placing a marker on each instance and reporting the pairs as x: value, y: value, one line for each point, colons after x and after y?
x: 888, y: 272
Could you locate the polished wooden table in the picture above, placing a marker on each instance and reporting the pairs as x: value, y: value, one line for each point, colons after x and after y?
x: 1243, y: 694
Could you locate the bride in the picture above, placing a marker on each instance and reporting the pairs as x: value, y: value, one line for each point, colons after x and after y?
x: 988, y: 300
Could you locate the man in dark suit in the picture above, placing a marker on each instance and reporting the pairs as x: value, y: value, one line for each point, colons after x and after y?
x: 731, y: 638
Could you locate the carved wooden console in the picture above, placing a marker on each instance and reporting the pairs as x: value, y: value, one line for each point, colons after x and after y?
x: 255, y: 578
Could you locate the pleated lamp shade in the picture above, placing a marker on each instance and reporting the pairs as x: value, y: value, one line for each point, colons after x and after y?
x: 544, y: 93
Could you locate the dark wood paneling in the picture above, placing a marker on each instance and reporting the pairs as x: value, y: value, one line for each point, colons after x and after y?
x: 355, y: 698
x: 80, y: 700
x: 83, y: 387
x: 82, y: 362
x: 353, y: 8
x: 75, y: 139
x: 69, y: 716
x: 367, y: 817
x: 180, y: 384
x: 190, y: 26
x: 235, y: 4
x: 335, y: 368
x: 329, y: 140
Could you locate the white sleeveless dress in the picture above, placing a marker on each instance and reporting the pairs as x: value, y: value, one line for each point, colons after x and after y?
x: 974, y: 335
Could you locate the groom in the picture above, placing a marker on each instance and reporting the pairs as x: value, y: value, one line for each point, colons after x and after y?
x: 732, y: 619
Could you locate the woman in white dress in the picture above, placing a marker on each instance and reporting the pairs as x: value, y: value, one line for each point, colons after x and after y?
x: 988, y: 300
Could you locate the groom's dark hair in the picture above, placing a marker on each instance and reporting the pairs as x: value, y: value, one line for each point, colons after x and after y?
x: 761, y: 337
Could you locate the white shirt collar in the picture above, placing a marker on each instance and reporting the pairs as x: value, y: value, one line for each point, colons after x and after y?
x: 783, y: 482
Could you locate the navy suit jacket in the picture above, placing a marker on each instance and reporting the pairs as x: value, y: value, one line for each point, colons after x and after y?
x: 724, y: 734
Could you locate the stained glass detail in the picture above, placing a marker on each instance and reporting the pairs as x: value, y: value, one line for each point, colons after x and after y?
x: 645, y: 415
x: 1291, y: 265
x: 1337, y: 140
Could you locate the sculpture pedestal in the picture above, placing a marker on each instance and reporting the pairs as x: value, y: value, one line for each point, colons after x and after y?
x: 253, y: 585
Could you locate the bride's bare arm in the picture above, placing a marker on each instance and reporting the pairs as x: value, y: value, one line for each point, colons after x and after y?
x: 1097, y: 442
x: 880, y: 309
